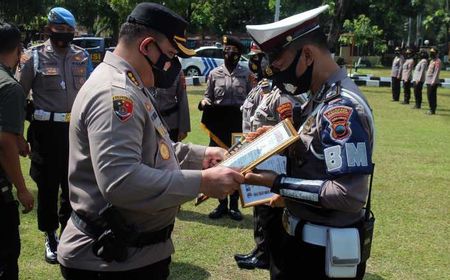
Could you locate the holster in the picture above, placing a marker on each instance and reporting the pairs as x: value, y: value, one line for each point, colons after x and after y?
x: 366, y: 235
x: 29, y: 110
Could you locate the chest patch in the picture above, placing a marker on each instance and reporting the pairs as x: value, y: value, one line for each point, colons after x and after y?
x: 123, y: 107
x: 337, y: 118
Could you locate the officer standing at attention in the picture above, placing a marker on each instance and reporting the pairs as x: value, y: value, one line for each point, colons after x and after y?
x: 419, y: 78
x: 55, y: 71
x: 407, y: 70
x: 12, y: 143
x: 327, y: 182
x: 226, y: 90
x: 432, y: 80
x: 396, y: 74
x: 174, y: 107
x: 125, y: 181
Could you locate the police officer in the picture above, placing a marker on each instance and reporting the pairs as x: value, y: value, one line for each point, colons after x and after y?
x: 396, y: 74
x: 226, y: 91
x: 12, y: 143
x: 419, y: 78
x: 328, y: 169
x: 432, y: 80
x: 125, y: 181
x: 174, y: 107
x: 407, y: 70
x: 55, y: 71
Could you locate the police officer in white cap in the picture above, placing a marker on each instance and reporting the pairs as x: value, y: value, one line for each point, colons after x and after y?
x: 327, y: 181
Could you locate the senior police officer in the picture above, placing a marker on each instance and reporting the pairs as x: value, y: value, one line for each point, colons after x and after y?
x: 54, y: 71
x: 174, y: 107
x: 432, y: 80
x: 12, y: 143
x: 328, y: 169
x: 125, y: 180
x: 419, y: 78
x: 407, y: 69
x: 396, y: 74
x: 226, y: 91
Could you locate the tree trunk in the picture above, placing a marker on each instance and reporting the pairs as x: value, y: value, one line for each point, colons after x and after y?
x: 336, y: 24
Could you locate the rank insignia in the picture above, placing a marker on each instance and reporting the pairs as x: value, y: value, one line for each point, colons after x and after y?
x: 132, y: 78
x: 164, y: 150
x: 123, y: 107
x: 148, y: 106
x: 285, y: 110
x: 338, y: 118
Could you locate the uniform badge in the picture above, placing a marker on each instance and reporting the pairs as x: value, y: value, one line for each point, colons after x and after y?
x: 285, y: 110
x: 132, y: 78
x: 148, y: 106
x: 164, y: 150
x: 338, y: 118
x: 123, y: 107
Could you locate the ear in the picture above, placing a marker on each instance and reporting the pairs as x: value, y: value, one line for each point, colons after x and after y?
x: 308, y: 53
x: 143, y: 46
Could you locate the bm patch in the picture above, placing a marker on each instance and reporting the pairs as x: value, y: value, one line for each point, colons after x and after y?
x: 123, y: 107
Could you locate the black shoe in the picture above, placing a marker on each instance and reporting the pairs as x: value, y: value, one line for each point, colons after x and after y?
x: 51, y: 245
x: 393, y: 100
x: 218, y: 213
x: 239, y: 257
x: 429, y: 112
x: 252, y: 263
x: 405, y: 102
x: 235, y: 214
x: 415, y: 107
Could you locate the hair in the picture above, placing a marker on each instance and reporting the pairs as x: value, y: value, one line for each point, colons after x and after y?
x: 9, y: 37
x: 130, y: 32
x: 316, y: 38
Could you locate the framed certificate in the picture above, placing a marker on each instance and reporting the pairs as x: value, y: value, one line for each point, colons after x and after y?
x: 269, y: 143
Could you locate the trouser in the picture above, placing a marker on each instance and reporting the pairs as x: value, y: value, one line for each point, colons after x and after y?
x: 156, y: 271
x: 266, y: 224
x: 395, y: 84
x: 418, y: 94
x: 295, y: 259
x: 432, y: 97
x: 173, y: 134
x: 407, y: 91
x: 9, y: 240
x: 234, y: 198
x: 49, y: 168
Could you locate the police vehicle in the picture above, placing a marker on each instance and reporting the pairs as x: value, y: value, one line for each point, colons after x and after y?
x: 207, y: 59
x: 95, y: 46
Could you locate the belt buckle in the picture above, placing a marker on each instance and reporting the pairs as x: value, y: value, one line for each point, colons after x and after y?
x: 67, y: 117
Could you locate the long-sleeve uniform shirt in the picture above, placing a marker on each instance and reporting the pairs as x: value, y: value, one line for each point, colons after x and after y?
x: 173, y: 105
x: 329, y: 167
x: 434, y: 68
x: 420, y: 71
x: 407, y: 69
x: 121, y: 153
x: 55, y: 78
x: 397, y: 64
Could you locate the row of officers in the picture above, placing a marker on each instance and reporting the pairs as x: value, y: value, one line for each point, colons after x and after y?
x: 125, y: 178
x: 416, y: 70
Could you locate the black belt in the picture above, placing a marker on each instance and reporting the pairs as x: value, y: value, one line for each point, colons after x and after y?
x: 169, y: 111
x: 139, y: 239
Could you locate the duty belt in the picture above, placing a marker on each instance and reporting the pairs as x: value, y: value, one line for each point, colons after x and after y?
x: 140, y: 239
x: 41, y: 115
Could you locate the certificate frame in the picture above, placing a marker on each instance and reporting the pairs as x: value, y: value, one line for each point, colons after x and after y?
x: 267, y: 144
x: 235, y: 137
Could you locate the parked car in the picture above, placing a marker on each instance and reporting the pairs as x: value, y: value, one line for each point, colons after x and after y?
x: 207, y: 59
x: 95, y: 46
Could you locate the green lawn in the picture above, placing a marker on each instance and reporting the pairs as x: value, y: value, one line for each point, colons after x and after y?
x: 411, y: 201
x: 386, y: 72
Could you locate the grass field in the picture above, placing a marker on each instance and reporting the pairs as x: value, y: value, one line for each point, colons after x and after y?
x: 411, y: 199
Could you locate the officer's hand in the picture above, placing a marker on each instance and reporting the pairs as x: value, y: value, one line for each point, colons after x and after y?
x: 182, y: 136
x: 26, y: 199
x: 24, y: 147
x: 261, y: 178
x: 249, y: 137
x: 205, y: 102
x: 218, y: 182
x: 277, y: 201
x: 213, y: 156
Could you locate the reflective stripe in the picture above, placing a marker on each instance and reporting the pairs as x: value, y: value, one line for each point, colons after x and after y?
x: 41, y: 115
x: 307, y: 190
x: 35, y: 61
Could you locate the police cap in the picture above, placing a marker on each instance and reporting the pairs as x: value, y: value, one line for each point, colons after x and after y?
x: 59, y: 15
x: 233, y: 41
x: 165, y: 21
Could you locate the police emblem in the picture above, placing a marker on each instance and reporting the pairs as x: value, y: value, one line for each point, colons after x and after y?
x: 164, y: 150
x: 338, y: 118
x: 123, y: 107
x: 132, y: 78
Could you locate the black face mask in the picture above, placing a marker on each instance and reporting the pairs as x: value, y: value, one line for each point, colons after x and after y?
x: 165, y: 70
x: 61, y: 39
x: 257, y: 63
x: 432, y: 55
x: 231, y: 59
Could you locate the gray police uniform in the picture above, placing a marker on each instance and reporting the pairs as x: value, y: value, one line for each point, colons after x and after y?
x: 432, y: 81
x: 174, y: 107
x: 328, y: 173
x: 121, y: 153
x: 251, y: 103
x: 12, y: 117
x: 407, y: 70
x: 396, y: 74
x: 54, y: 79
x: 418, y: 80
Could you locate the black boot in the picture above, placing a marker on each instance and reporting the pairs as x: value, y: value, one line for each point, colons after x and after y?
x: 234, y: 212
x: 51, y: 245
x: 254, y: 260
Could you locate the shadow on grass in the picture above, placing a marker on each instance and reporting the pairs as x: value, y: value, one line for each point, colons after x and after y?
x: 370, y: 276
x: 179, y: 270
x: 225, y: 221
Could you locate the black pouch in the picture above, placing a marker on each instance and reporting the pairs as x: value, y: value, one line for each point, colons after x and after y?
x: 366, y: 236
x: 110, y: 248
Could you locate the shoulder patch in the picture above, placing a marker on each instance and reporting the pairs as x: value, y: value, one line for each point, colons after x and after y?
x: 337, y: 117
x: 285, y: 110
x: 123, y: 107
x: 132, y: 78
